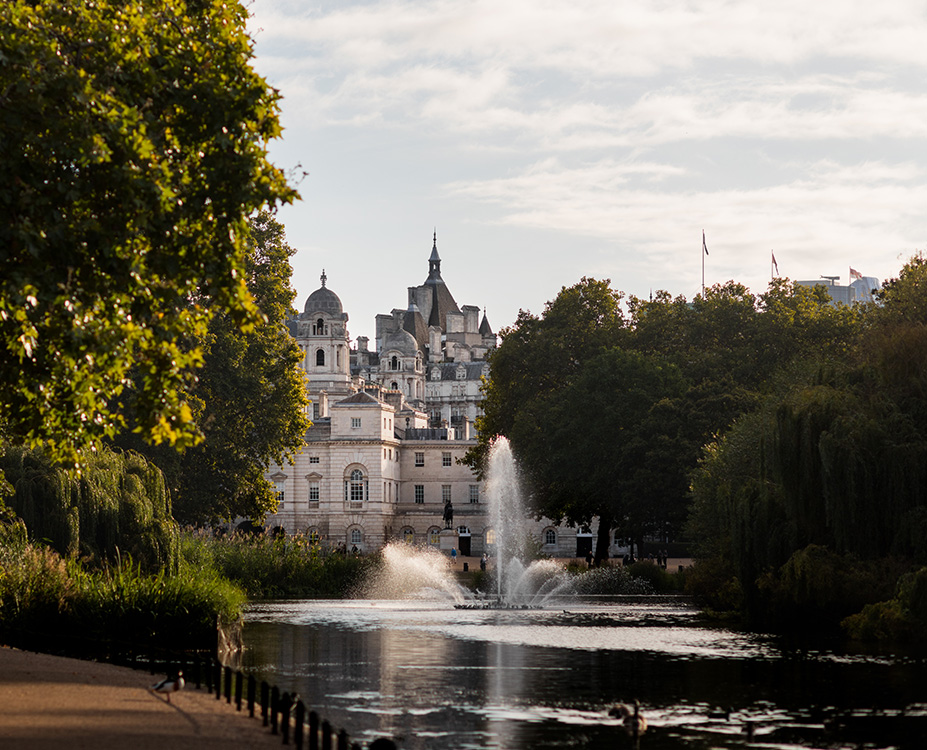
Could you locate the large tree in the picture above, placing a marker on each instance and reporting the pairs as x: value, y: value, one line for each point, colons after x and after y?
x: 132, y: 150
x: 249, y: 397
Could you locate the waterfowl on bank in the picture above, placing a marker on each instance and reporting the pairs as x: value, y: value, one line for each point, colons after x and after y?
x: 169, y: 685
x: 630, y: 716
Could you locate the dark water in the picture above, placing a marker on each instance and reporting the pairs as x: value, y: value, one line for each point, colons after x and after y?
x: 437, y: 677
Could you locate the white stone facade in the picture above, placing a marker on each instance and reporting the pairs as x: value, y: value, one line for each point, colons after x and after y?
x: 390, y: 427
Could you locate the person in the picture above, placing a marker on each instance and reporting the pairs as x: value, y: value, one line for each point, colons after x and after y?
x: 453, y: 554
x: 589, y: 559
x: 483, y: 562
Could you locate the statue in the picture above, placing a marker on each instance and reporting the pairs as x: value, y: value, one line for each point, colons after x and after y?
x: 448, y: 515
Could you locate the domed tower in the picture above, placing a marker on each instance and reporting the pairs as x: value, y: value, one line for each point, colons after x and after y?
x: 402, y: 366
x: 322, y: 334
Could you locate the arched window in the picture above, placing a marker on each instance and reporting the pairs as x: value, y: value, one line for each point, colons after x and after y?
x: 434, y: 536
x: 356, y: 490
x: 550, y: 537
x: 490, y: 536
x: 320, y: 326
x: 320, y: 358
x: 408, y: 535
x: 394, y: 363
x: 357, y: 536
x: 314, y: 536
x: 394, y: 385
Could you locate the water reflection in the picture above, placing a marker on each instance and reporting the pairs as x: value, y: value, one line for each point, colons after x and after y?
x: 444, y: 678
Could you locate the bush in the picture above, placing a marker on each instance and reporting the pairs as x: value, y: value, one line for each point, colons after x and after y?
x: 278, y: 567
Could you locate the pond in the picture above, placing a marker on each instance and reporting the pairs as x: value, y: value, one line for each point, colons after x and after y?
x: 432, y: 676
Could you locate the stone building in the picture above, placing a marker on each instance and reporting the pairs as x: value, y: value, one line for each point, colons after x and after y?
x: 390, y: 425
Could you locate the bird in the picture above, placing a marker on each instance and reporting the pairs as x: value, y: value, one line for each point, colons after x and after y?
x: 169, y: 685
x: 631, y: 717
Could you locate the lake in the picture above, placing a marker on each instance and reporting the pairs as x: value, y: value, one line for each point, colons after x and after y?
x: 432, y: 676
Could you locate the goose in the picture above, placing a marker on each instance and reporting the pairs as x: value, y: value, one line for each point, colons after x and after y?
x: 631, y: 716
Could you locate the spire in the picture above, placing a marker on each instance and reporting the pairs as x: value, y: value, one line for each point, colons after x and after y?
x: 324, y: 278
x: 434, y: 262
x: 485, y: 328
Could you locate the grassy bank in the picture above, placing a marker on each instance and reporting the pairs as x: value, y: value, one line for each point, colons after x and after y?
x: 276, y: 568
x: 51, y: 603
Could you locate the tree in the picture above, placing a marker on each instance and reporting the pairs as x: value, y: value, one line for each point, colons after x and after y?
x: 249, y: 398
x: 132, y: 150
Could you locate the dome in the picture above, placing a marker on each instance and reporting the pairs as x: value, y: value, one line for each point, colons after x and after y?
x: 401, y: 340
x: 324, y: 300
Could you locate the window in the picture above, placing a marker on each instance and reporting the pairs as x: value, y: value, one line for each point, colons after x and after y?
x: 279, y: 487
x: 394, y: 363
x: 313, y: 459
x: 320, y: 358
x: 445, y: 493
x: 420, y: 493
x: 490, y: 536
x: 319, y: 327
x: 316, y: 413
x: 394, y: 385
x: 419, y: 459
x: 474, y: 493
x: 355, y: 422
x: 550, y: 537
x: 446, y: 458
x: 314, y: 492
x: 355, y: 489
x: 357, y: 536
x: 408, y: 535
x: 434, y: 537
x: 314, y: 536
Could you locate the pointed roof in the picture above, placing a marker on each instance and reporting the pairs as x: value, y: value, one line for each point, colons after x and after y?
x: 485, y: 328
x: 442, y: 301
x: 361, y: 397
x: 414, y: 323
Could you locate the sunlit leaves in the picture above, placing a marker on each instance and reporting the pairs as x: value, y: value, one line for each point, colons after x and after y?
x: 132, y: 150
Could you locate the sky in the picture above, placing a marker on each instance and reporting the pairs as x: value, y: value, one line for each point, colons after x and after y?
x: 548, y: 140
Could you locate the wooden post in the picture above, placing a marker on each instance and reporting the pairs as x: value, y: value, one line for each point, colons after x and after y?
x: 313, y: 731
x: 274, y: 707
x: 228, y: 684
x: 239, y: 679
x: 326, y: 736
x: 251, y: 686
x: 342, y: 740
x: 286, y: 703
x: 299, y: 725
x: 265, y: 700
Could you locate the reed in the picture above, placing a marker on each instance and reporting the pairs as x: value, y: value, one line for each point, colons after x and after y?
x: 276, y: 567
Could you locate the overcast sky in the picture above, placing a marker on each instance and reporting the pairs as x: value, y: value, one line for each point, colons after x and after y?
x: 548, y: 140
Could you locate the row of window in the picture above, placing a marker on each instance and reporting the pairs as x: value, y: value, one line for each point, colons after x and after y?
x: 356, y: 490
x: 356, y: 535
x: 446, y: 458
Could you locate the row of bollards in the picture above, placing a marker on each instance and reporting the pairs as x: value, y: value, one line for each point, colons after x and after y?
x: 284, y: 714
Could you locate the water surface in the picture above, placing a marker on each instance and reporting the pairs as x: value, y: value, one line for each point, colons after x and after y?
x: 438, y: 677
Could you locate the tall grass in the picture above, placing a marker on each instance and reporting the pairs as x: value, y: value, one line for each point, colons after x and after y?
x: 276, y: 568
x: 53, y: 604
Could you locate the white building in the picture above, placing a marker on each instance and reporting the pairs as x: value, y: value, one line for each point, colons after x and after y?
x: 390, y: 427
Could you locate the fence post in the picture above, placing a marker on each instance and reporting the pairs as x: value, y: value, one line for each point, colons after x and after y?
x: 326, y: 736
x: 228, y: 684
x: 286, y: 703
x: 251, y: 685
x: 239, y: 678
x: 298, y: 727
x: 274, y: 707
x: 208, y: 668
x: 198, y: 671
x: 342, y: 740
x: 265, y: 700
x: 217, y: 667
x: 313, y: 731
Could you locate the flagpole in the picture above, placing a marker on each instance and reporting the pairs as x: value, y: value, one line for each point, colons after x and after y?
x: 703, y: 254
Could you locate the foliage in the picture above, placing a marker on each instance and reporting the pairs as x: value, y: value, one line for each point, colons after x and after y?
x: 902, y: 618
x: 249, y: 397
x: 48, y: 602
x: 132, y: 150
x: 281, y: 567
x: 119, y: 502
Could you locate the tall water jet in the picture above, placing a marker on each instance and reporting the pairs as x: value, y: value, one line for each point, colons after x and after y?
x: 506, y: 510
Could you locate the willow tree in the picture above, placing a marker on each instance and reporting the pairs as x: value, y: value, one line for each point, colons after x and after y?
x: 119, y: 504
x: 133, y: 148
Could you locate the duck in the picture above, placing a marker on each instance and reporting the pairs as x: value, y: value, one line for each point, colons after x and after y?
x: 631, y: 717
x: 169, y: 685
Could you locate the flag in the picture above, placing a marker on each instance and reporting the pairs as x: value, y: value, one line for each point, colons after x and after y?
x: 704, y: 246
x: 854, y: 274
x: 775, y: 265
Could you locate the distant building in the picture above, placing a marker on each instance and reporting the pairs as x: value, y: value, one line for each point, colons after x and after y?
x: 390, y: 426
x: 861, y: 290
